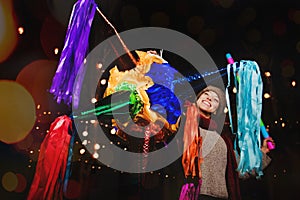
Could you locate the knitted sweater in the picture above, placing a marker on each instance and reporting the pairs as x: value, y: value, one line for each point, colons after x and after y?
x: 214, y: 152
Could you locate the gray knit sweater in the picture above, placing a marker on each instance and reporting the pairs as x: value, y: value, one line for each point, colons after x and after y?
x: 214, y: 152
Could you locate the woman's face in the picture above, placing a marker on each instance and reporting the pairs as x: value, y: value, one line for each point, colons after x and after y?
x: 208, y: 102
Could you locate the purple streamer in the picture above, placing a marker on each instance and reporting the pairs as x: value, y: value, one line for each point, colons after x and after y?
x: 74, y: 52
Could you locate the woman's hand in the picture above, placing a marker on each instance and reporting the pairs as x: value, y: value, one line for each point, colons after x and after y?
x: 264, y: 147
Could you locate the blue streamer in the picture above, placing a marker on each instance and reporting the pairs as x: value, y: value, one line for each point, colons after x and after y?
x: 69, y: 159
x: 249, y: 106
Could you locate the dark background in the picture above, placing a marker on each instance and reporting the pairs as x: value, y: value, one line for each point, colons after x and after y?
x: 265, y: 31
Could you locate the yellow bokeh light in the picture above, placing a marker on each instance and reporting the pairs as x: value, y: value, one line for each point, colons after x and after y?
x: 9, y: 181
x: 234, y: 90
x: 247, y: 16
x: 93, y: 100
x: 267, y: 74
x: 21, y: 30
x: 298, y: 46
x: 96, y: 155
x: 99, y: 66
x: 17, y: 116
x: 82, y: 151
x: 96, y: 146
x: 225, y: 110
x: 267, y: 95
x: 56, y: 50
x: 226, y: 3
x: 296, y: 17
x: 103, y: 81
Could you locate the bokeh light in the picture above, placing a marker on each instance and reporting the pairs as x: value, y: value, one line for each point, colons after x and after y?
x: 52, y: 36
x: 96, y: 146
x: 93, y: 100
x: 37, y: 77
x: 82, y: 151
x: 9, y: 181
x: 267, y: 95
x: 17, y: 115
x: 182, y: 7
x: 22, y: 183
x: 160, y: 19
x: 291, y: 12
x: 130, y: 16
x: 298, y: 46
x: 279, y: 28
x: 21, y: 30
x: 225, y: 110
x: 8, y: 33
x: 248, y: 15
x: 287, y: 68
x: 195, y: 24
x: 25, y: 143
x: 296, y: 16
x: 263, y: 60
x: 253, y: 35
x: 95, y: 155
x: 234, y: 90
x: 225, y: 3
x: 207, y: 37
x: 56, y: 51
x: 294, y: 83
x: 61, y: 10
x: 267, y: 74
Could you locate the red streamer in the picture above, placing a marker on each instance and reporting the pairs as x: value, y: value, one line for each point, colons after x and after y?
x: 50, y: 170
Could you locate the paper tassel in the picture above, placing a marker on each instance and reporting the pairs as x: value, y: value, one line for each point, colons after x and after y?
x: 249, y: 107
x: 190, y: 191
x: 52, y: 162
x: 74, y: 51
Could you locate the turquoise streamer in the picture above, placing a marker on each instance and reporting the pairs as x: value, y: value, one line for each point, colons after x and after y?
x: 249, y: 106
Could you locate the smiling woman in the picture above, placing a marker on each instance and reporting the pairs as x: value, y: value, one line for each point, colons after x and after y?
x: 205, y: 149
x: 209, y: 161
x: 211, y: 100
